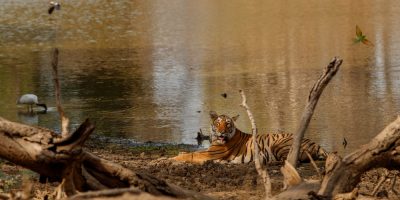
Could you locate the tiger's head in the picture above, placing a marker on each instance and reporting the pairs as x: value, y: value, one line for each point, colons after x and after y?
x: 222, y: 128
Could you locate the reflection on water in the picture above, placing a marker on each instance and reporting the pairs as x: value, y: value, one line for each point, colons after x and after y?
x: 152, y: 70
x: 30, y: 117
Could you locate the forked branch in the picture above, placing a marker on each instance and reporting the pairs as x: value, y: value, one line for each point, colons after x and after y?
x: 312, y: 101
x: 342, y: 175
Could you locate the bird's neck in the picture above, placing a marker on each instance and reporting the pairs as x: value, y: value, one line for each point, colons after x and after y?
x: 42, y: 105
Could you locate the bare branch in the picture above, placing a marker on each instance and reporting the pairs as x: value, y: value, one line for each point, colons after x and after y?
x: 385, y: 174
x: 393, y: 184
x: 64, y: 120
x: 342, y: 175
x: 312, y: 101
x: 57, y: 158
x: 263, y: 173
x: 314, y: 165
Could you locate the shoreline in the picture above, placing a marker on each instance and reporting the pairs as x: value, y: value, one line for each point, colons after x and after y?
x: 217, y: 179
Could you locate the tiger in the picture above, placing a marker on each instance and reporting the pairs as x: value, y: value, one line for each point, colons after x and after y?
x: 228, y: 143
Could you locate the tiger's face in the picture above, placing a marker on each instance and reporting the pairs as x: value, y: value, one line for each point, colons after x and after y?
x: 222, y: 128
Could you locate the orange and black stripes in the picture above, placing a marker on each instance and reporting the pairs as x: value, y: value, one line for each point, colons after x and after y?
x: 240, y: 149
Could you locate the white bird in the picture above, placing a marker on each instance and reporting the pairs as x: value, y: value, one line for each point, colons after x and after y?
x: 53, y: 5
x: 30, y: 100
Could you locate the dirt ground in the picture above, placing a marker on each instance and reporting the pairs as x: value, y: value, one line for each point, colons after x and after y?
x: 218, y: 180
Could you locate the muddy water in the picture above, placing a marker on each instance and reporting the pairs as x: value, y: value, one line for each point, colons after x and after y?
x: 152, y: 70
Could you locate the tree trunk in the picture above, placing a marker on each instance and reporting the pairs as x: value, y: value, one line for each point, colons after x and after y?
x: 47, y: 153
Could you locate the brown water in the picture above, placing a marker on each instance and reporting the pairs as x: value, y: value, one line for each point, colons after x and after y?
x: 143, y: 69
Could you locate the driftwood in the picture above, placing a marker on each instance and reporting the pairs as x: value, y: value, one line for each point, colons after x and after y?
x: 262, y: 172
x: 312, y: 101
x: 62, y: 158
x: 342, y: 175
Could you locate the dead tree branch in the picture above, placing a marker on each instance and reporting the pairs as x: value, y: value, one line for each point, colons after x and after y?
x: 342, y: 175
x: 312, y: 101
x: 62, y: 158
x: 392, y: 186
x: 263, y: 173
x: 382, y: 179
x: 314, y: 164
x: 64, y: 119
x: 291, y: 176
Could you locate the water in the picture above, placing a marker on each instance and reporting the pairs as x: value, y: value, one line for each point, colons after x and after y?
x: 144, y: 69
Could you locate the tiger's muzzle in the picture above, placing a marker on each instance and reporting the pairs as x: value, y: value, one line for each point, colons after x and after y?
x: 222, y: 137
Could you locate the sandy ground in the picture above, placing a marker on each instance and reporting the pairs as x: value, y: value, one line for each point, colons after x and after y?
x: 218, y: 180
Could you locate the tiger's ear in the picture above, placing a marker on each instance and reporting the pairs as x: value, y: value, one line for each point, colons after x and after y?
x: 234, y: 118
x: 213, y: 115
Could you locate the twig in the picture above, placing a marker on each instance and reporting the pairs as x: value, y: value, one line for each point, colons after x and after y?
x: 59, y: 192
x: 312, y: 101
x: 313, y: 163
x: 381, y: 180
x: 263, y: 173
x: 64, y: 120
x: 106, y: 193
x: 393, y: 184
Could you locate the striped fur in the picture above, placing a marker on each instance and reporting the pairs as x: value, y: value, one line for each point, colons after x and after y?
x: 231, y: 144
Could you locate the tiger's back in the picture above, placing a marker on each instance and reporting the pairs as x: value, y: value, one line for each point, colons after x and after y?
x: 273, y: 147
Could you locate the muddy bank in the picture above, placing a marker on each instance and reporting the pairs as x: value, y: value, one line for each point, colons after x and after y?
x: 219, y: 180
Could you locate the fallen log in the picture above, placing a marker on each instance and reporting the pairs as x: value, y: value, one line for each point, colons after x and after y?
x: 342, y: 175
x: 62, y: 158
